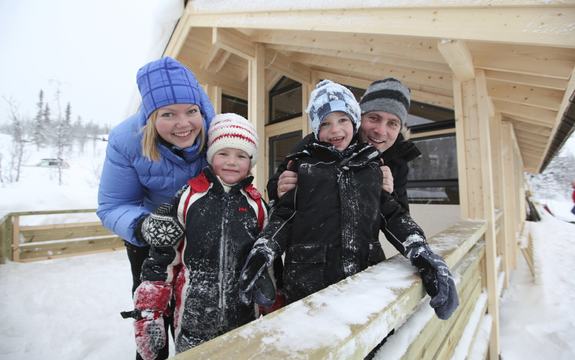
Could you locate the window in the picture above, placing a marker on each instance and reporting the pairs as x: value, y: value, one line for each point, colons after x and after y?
x: 235, y: 105
x: 433, y: 175
x: 285, y: 100
x: 424, y: 117
x: 281, y: 146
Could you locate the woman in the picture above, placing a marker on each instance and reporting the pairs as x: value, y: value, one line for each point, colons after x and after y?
x: 152, y: 154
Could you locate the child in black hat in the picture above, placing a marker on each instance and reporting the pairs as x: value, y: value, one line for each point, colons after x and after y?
x: 327, y: 225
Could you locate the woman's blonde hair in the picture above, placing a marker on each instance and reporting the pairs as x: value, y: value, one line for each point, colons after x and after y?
x: 151, y: 137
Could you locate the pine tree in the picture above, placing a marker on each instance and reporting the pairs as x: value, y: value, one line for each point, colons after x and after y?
x: 38, y: 129
x: 47, y: 123
x: 63, y: 139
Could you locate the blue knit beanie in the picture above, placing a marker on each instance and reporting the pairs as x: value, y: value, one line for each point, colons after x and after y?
x: 328, y: 97
x: 165, y: 82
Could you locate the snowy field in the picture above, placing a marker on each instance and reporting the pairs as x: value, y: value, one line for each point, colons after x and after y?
x: 69, y: 308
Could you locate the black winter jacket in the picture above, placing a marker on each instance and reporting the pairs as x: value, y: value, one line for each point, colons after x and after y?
x: 328, y: 224
x: 396, y: 157
x: 204, y: 268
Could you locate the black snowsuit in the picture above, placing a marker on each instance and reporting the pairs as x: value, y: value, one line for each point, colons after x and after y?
x: 396, y: 157
x: 328, y: 224
x: 204, y: 268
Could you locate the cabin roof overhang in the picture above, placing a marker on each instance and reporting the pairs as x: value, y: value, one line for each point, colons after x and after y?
x: 525, y: 48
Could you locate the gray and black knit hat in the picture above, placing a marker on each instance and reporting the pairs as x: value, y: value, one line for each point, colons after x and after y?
x: 328, y: 97
x: 388, y: 95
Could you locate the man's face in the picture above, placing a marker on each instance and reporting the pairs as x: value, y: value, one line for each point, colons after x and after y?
x: 380, y: 129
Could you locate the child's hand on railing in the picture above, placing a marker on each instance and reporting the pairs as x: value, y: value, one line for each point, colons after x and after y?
x: 437, y: 280
x: 255, y: 282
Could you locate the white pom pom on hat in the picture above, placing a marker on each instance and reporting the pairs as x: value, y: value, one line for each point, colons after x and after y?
x: 232, y: 131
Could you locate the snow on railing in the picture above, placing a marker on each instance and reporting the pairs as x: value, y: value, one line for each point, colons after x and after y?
x: 349, y: 319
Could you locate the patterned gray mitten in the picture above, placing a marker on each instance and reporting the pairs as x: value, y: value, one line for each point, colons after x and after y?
x: 161, y: 228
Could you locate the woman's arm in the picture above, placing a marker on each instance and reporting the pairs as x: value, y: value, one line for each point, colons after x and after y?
x: 120, y: 196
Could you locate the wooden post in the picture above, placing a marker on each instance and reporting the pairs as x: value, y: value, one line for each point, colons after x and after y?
x: 476, y: 178
x: 215, y: 95
x: 15, y: 238
x: 488, y: 210
x: 256, y: 108
x: 509, y: 190
x: 305, y: 91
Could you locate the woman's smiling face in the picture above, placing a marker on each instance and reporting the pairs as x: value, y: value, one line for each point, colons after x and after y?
x: 179, y: 124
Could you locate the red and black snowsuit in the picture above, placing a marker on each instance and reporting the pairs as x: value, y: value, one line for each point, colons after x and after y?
x: 203, y: 269
x: 328, y: 225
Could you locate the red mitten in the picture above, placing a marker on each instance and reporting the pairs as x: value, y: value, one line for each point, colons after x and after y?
x: 151, y: 300
x: 150, y: 335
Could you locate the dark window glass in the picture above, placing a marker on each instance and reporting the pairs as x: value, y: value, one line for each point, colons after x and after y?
x: 425, y: 117
x: 234, y: 105
x: 433, y: 175
x: 285, y: 100
x: 357, y: 92
x: 281, y: 146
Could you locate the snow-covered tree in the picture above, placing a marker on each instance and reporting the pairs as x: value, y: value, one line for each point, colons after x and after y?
x: 63, y: 138
x: 38, y: 126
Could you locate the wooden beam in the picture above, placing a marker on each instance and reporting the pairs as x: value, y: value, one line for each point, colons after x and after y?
x: 526, y: 95
x: 256, y: 108
x: 282, y: 64
x: 527, y: 80
x: 527, y: 122
x: 436, y: 80
x: 272, y: 79
x: 378, y: 59
x: 534, y: 139
x: 179, y: 36
x: 540, y: 61
x: 215, y: 95
x: 234, y: 42
x: 375, y: 46
x: 229, y: 86
x: 488, y: 211
x: 541, y: 25
x: 542, y: 117
x: 362, y: 83
x: 216, y: 59
x: 458, y: 57
x: 529, y: 128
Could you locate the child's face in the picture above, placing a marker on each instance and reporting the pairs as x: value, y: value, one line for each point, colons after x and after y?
x: 231, y: 165
x: 179, y: 124
x: 336, y: 129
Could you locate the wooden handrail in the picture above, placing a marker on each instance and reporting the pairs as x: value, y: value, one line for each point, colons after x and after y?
x: 295, y: 331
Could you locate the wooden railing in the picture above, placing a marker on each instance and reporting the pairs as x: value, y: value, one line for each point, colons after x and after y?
x: 35, y: 242
x: 349, y: 319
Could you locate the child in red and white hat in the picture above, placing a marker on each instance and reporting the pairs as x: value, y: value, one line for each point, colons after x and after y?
x: 199, y: 244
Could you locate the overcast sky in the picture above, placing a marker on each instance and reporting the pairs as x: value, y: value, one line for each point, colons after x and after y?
x: 91, y: 50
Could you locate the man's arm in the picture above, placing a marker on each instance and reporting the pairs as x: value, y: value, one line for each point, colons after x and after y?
x: 287, y: 180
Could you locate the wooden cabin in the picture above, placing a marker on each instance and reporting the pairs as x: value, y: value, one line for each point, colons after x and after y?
x: 492, y: 84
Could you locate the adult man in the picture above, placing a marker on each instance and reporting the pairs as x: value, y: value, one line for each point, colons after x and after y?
x: 384, y: 108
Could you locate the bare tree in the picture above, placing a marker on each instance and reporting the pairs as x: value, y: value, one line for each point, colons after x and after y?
x: 18, y: 142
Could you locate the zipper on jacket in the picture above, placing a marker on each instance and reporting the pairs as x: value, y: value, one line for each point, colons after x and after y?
x: 223, y: 257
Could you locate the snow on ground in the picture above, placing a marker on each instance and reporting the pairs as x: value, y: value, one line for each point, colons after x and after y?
x: 537, y: 319
x: 69, y: 308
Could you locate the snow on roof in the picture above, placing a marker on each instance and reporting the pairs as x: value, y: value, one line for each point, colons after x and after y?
x: 281, y: 5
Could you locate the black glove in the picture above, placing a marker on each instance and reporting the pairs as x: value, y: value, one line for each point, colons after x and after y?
x: 437, y: 280
x: 255, y: 282
x: 160, y: 228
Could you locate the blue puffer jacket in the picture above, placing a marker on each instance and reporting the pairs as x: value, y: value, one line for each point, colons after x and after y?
x: 132, y: 186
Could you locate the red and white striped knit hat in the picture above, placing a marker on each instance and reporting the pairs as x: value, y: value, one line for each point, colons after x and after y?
x: 232, y: 131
